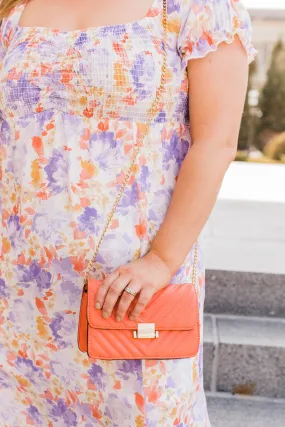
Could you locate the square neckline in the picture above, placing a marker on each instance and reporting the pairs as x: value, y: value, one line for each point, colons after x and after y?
x: 98, y: 28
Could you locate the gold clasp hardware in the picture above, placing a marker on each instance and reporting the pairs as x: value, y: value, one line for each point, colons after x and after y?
x: 146, y: 330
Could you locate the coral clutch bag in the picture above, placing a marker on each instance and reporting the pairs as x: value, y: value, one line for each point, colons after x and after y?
x: 168, y: 328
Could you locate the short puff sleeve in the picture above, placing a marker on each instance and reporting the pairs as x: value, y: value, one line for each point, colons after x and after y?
x: 207, y: 23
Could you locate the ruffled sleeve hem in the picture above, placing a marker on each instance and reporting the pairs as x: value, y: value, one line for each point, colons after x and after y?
x: 215, y: 23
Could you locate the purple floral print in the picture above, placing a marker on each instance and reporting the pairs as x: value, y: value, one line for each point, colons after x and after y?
x: 73, y: 105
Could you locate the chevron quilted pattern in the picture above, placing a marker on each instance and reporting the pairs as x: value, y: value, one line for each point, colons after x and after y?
x: 173, y: 310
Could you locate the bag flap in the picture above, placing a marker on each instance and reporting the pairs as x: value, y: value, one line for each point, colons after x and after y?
x: 175, y: 307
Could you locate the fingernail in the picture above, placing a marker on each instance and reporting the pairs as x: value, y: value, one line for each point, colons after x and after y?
x: 105, y: 314
x: 98, y: 305
x: 118, y: 318
x: 132, y: 318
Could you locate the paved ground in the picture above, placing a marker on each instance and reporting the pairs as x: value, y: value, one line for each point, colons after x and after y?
x: 230, y: 411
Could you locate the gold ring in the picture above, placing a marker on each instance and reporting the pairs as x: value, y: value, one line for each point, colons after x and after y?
x: 130, y: 291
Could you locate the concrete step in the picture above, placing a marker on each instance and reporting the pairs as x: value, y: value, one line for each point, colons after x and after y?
x: 244, y: 355
x: 239, y: 411
x: 249, y: 294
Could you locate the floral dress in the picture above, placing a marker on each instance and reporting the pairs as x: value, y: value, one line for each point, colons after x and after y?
x: 72, y: 105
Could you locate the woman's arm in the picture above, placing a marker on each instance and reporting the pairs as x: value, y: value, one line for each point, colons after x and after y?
x: 217, y: 87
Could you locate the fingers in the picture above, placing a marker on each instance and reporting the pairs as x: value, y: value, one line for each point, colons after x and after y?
x: 126, y: 300
x: 144, y: 298
x: 113, y: 294
x: 103, y: 289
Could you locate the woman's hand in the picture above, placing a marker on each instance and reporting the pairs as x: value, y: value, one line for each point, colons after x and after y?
x: 145, y: 276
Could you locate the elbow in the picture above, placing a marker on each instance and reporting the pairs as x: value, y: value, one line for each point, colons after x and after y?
x: 230, y: 154
x: 219, y: 146
x: 229, y: 149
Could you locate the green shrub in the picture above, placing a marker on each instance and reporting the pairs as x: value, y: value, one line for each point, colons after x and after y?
x: 263, y: 159
x: 241, y: 156
x: 247, y: 127
x: 275, y: 148
x: 272, y: 97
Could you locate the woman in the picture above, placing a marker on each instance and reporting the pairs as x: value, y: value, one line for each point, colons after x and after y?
x: 77, y: 80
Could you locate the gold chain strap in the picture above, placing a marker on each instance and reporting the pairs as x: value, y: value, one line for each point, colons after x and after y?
x: 153, y: 110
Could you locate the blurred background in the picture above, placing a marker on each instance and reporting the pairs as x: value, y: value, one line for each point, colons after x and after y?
x: 262, y: 136
x: 244, y: 329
